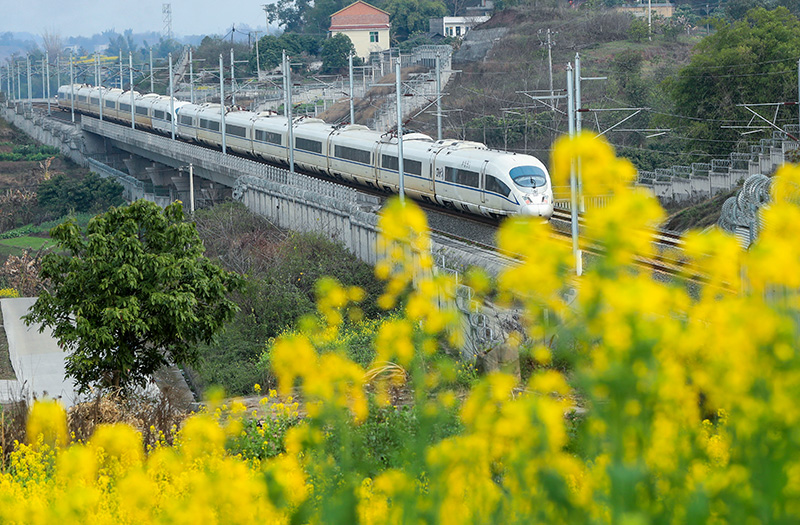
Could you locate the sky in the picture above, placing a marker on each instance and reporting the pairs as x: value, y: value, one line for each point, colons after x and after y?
x: 88, y: 17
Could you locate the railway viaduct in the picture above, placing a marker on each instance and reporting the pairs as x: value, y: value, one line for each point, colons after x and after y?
x: 155, y: 168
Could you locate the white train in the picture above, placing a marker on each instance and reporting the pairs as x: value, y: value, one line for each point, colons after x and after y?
x: 457, y: 174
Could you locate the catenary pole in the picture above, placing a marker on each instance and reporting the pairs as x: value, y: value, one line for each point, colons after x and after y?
x: 30, y: 88
x: 46, y: 75
x: 233, y: 80
x: 152, y: 76
x: 133, y: 98
x: 222, y: 102
x: 438, y: 97
x: 352, y: 110
x: 290, y: 122
x: 573, y: 185
x: 400, y: 167
x: 171, y: 100
x: 71, y: 88
x: 191, y: 77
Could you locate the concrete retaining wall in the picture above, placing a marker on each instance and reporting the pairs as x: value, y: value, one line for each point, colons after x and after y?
x: 65, y: 136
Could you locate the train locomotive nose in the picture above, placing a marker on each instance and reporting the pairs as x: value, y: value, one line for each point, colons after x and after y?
x: 537, y: 206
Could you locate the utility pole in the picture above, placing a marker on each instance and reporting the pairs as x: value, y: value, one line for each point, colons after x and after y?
x: 290, y: 119
x: 191, y: 76
x: 133, y: 99
x: 438, y: 98
x: 152, y: 77
x: 222, y: 102
x: 71, y: 88
x: 400, y: 167
x: 233, y: 80
x: 352, y: 111
x: 30, y: 88
x: 47, y: 73
x: 649, y: 20
x: 573, y: 185
x: 258, y: 60
x: 578, y: 124
x: 121, y: 86
x: 96, y: 70
x: 191, y: 189
x: 171, y: 101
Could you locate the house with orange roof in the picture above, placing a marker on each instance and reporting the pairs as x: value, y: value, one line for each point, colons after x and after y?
x: 365, y: 25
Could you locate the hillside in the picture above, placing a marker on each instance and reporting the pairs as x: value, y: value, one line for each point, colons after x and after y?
x: 485, y: 101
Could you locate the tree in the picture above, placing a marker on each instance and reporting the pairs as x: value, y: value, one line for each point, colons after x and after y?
x: 412, y: 16
x: 750, y: 61
x: 335, y: 52
x: 289, y: 14
x: 62, y: 194
x: 131, y: 294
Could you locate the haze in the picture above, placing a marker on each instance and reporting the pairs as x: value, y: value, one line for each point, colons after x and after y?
x: 88, y: 17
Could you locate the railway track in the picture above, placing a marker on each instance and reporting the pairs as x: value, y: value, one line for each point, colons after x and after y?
x: 480, y: 231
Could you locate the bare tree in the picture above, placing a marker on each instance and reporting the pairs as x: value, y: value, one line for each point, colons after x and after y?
x: 52, y: 42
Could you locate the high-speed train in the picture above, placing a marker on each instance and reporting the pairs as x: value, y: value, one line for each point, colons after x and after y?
x: 457, y: 174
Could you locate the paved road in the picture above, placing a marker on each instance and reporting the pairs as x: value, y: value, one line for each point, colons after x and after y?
x: 36, y: 357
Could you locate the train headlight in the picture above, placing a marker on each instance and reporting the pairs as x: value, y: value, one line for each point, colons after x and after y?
x: 533, y: 198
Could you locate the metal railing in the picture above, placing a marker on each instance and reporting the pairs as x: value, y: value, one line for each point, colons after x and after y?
x: 230, y: 165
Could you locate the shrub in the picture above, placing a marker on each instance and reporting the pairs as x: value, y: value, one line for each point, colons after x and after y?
x: 677, y: 408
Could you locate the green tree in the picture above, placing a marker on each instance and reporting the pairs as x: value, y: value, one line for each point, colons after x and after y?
x: 289, y: 14
x: 412, y: 16
x: 62, y: 194
x: 131, y: 294
x: 335, y: 52
x: 751, y: 61
x: 270, y: 48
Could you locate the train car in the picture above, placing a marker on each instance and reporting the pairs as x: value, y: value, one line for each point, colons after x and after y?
x: 310, y: 144
x: 239, y: 131
x: 418, y: 153
x: 163, y: 113
x: 144, y: 110
x: 351, y: 151
x: 111, y: 104
x: 461, y: 175
x: 187, y: 122
x: 208, y: 130
x: 127, y: 103
x: 270, y: 138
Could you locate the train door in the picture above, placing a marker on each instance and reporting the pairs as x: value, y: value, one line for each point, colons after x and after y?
x: 483, y: 182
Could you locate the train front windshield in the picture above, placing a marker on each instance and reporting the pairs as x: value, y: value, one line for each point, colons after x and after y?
x: 528, y: 176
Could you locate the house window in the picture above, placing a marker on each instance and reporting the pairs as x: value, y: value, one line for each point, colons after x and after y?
x: 458, y: 30
x: 373, y: 36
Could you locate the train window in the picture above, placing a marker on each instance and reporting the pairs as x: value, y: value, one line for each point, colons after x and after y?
x: 125, y: 107
x: 497, y: 186
x: 213, y: 125
x: 157, y: 113
x: 268, y: 136
x: 140, y: 110
x: 236, y: 131
x: 357, y: 155
x: 169, y: 116
x: 313, y: 146
x: 528, y: 176
x: 95, y: 101
x: 464, y: 177
x: 81, y: 98
x: 186, y: 120
x: 414, y: 167
x: 111, y: 104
